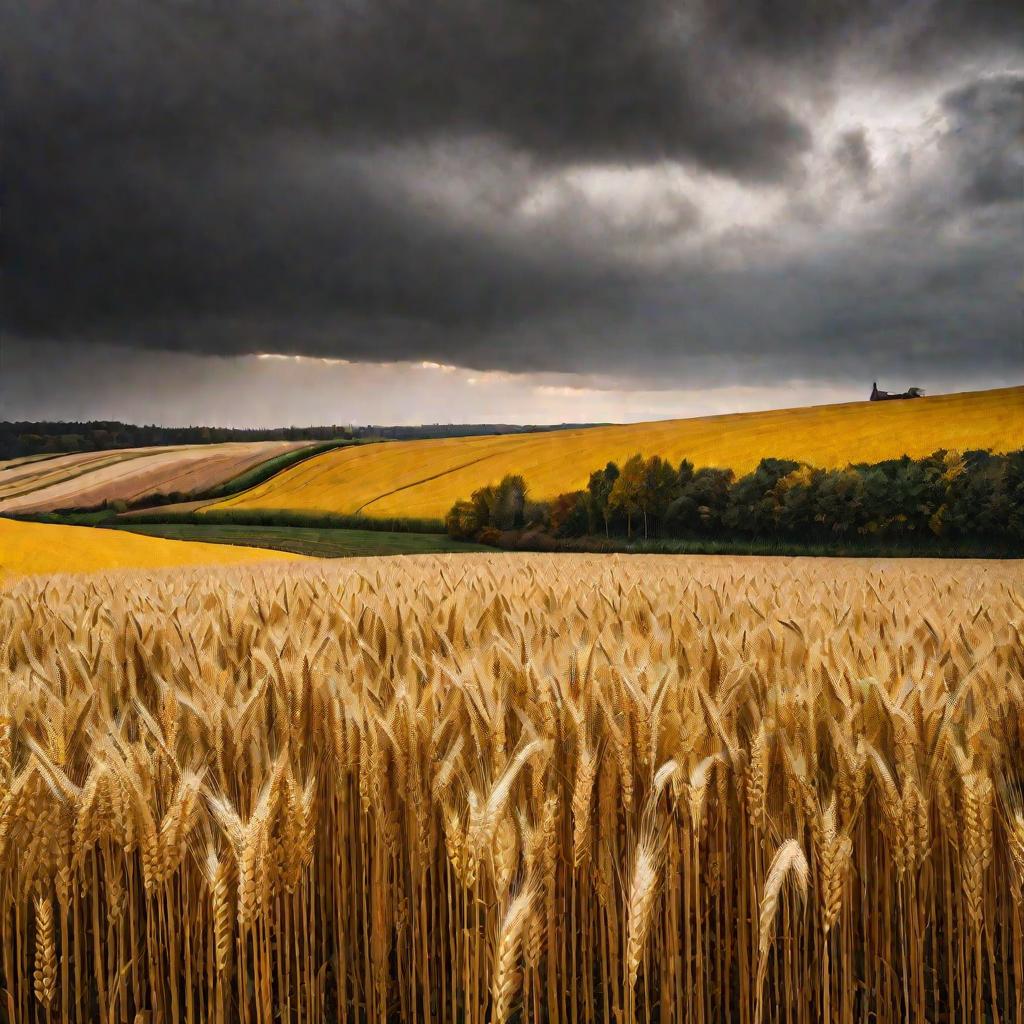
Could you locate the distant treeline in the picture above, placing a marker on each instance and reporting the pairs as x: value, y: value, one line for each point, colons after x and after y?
x: 973, y: 496
x: 428, y: 430
x: 18, y: 439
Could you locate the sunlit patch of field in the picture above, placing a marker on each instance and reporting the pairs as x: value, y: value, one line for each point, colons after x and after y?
x: 424, y: 478
x: 28, y: 548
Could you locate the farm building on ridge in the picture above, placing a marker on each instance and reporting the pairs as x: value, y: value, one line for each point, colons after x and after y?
x: 884, y: 396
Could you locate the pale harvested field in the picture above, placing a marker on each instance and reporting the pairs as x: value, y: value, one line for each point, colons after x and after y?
x: 19, y: 475
x: 480, y: 788
x: 87, y: 479
x: 22, y: 460
x: 424, y: 478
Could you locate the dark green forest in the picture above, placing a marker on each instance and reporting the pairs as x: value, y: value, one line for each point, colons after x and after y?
x: 974, y: 497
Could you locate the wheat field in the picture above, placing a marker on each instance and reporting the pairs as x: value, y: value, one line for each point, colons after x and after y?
x: 423, y: 479
x: 508, y: 787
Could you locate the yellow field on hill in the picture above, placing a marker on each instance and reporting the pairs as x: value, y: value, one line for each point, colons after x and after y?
x: 27, y: 548
x: 424, y: 478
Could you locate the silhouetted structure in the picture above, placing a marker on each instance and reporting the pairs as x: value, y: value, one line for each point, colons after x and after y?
x: 884, y: 396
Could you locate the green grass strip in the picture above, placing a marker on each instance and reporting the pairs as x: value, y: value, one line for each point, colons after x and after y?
x: 265, y: 470
x: 319, y: 543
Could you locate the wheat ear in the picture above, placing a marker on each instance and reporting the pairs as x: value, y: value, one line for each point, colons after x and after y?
x: 506, y: 954
x: 45, y: 977
x: 789, y: 860
x: 641, y: 904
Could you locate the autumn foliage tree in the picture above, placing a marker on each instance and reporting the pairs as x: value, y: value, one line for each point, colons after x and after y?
x: 627, y: 490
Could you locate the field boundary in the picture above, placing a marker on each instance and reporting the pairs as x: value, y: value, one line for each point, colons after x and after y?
x: 310, y: 541
x: 235, y: 495
x: 426, y: 480
x: 542, y: 543
x: 268, y: 469
x: 531, y: 541
x: 287, y: 517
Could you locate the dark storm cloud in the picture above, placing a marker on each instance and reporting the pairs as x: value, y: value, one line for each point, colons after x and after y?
x: 987, y: 138
x: 563, y: 79
x: 177, y: 247
x: 169, y: 164
x: 902, y: 37
x: 240, y: 177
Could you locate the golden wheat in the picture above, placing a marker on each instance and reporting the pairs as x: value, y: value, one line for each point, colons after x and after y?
x: 498, y: 787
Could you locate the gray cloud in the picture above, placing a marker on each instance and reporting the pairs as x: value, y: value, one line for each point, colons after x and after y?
x: 545, y: 185
x: 987, y: 138
x: 853, y: 154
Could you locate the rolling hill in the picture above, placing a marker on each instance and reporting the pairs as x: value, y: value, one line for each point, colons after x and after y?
x: 424, y: 478
x: 29, y: 548
x: 87, y: 479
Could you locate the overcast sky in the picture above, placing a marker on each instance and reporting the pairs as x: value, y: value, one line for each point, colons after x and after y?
x: 399, y: 211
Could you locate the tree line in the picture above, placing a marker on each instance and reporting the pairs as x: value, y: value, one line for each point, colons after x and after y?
x: 973, y: 495
x: 19, y: 439
x: 22, y: 438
